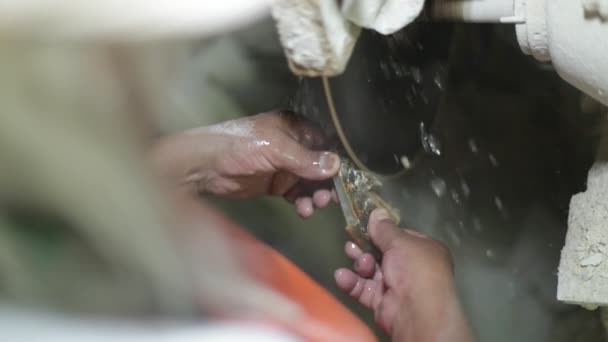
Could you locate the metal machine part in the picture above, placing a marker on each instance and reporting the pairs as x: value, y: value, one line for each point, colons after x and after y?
x: 358, y: 192
x: 571, y: 34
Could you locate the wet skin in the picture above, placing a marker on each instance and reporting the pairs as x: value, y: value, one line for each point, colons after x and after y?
x: 412, y: 293
x: 274, y: 153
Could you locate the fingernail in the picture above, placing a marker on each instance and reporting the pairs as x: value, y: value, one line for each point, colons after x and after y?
x: 329, y: 162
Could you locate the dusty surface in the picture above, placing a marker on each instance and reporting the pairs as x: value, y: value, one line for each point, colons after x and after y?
x: 583, y: 269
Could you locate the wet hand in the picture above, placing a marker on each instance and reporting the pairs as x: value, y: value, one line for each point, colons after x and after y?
x: 274, y: 153
x: 412, y: 292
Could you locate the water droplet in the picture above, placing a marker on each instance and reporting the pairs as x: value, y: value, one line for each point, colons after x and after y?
x: 498, y: 203
x: 489, y: 253
x: 398, y: 72
x: 429, y: 142
x: 473, y: 146
x: 493, y: 160
x: 439, y: 187
x: 455, y: 196
x: 417, y: 75
x: 477, y: 226
x: 409, y: 99
x: 405, y: 161
x: 438, y: 81
x: 385, y: 70
x: 500, y: 206
x: 466, y: 191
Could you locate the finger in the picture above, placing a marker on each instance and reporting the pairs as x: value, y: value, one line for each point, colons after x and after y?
x: 304, y: 207
x: 370, y: 290
x: 379, y: 293
x: 365, y: 265
x: 364, y: 290
x: 352, y: 251
x: 321, y: 198
x: 382, y: 230
x: 305, y: 163
x: 346, y: 279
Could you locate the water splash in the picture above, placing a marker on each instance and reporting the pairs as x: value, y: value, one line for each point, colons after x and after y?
x: 501, y: 207
x: 455, y: 196
x: 493, y: 160
x: 439, y: 186
x: 438, y: 81
x: 417, y: 75
x: 466, y: 191
x: 490, y: 253
x: 498, y: 203
x: 405, y: 162
x: 473, y: 146
x: 429, y: 142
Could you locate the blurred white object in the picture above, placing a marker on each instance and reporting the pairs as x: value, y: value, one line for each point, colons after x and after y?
x: 480, y: 11
x: 317, y: 40
x: 125, y: 20
x: 573, y: 39
x: 17, y: 324
x: 383, y: 16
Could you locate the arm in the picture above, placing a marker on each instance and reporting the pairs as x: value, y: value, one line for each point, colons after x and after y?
x: 412, y: 293
x: 274, y: 153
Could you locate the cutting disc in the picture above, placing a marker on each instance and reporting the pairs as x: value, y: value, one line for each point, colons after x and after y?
x: 386, y: 99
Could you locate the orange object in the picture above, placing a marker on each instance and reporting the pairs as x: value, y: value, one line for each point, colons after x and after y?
x: 326, y: 318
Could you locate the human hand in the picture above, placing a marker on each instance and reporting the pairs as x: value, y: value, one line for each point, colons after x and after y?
x: 412, y: 292
x: 274, y: 153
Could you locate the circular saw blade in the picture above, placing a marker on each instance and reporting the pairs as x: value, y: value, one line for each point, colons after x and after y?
x: 391, y: 86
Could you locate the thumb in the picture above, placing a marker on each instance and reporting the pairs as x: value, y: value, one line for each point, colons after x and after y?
x: 305, y: 163
x: 382, y: 230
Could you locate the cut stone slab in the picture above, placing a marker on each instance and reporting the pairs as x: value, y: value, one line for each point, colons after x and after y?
x: 583, y: 268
